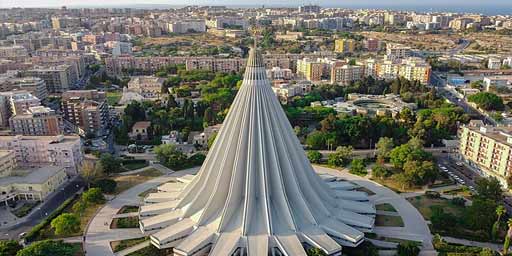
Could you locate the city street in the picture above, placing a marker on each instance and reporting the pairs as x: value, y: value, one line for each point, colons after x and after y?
x: 44, y: 209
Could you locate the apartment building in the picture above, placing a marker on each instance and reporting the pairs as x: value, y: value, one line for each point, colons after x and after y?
x: 216, y: 64
x: 343, y: 74
x: 397, y: 51
x: 488, y: 149
x: 313, y: 70
x: 37, y: 121
x: 34, y: 85
x: 460, y: 23
x: 149, y: 87
x: 15, y: 102
x: 58, y: 79
x: 30, y: 151
x: 87, y: 109
x: 15, y: 53
x: 372, y: 44
x: 186, y: 26
x: 410, y: 68
x: 344, y: 46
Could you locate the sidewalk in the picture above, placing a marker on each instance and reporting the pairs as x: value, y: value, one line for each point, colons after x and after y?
x: 99, y: 235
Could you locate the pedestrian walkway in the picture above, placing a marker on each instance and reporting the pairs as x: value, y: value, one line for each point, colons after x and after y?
x: 415, y: 228
x: 99, y: 235
x: 453, y: 240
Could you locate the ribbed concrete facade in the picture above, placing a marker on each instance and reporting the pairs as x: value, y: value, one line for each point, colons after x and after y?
x: 256, y: 194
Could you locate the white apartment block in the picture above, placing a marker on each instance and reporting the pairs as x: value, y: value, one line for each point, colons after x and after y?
x: 33, y: 151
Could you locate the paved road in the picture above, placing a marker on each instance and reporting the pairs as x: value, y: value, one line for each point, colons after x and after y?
x: 43, y: 210
x: 449, y: 94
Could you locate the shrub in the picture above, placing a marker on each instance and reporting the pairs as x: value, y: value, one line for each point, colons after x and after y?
x: 432, y: 194
x: 48, y: 247
x: 94, y: 196
x: 459, y: 201
x: 314, y: 156
x: 379, y: 171
x: 9, y: 247
x: 408, y: 248
x: 107, y: 186
x: 66, y: 224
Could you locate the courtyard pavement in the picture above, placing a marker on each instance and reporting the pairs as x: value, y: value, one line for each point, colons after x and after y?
x: 99, y: 235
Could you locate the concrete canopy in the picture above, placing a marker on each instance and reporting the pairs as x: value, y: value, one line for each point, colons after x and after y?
x: 257, y: 192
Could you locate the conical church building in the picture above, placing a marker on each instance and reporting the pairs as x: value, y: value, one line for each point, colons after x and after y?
x: 256, y: 193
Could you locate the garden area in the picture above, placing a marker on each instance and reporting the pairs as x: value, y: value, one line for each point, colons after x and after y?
x: 120, y: 245
x: 125, y: 182
x: 70, y: 219
x: 25, y: 209
x: 480, y: 220
x: 127, y: 222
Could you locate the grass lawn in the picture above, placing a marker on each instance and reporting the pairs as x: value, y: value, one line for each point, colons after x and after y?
x: 128, y: 181
x: 128, y: 209
x: 134, y: 165
x: 150, y: 250
x: 424, y: 204
x: 385, y: 207
x: 78, y: 249
x: 25, y: 209
x: 394, y: 185
x: 120, y: 245
x: 128, y: 222
x: 388, y: 221
x: 461, y: 192
x: 113, y: 98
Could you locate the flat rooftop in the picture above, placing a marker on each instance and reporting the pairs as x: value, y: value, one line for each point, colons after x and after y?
x: 31, y: 176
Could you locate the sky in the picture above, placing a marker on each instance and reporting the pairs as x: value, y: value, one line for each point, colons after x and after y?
x: 376, y: 3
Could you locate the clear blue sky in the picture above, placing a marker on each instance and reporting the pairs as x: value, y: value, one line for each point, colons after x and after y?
x: 379, y: 3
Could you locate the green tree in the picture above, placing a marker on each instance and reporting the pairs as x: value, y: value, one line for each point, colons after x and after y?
x: 506, y: 243
x: 48, y: 248
x: 489, y: 188
x: 66, y: 224
x: 93, y: 196
x: 110, y: 163
x: 408, y: 249
x: 171, y: 157
x: 209, y: 117
x: 316, y: 140
x: 358, y: 167
x: 314, y: 156
x: 480, y: 215
x: 384, y: 147
x: 500, y: 210
x: 90, y: 171
x: 380, y: 172
x: 419, y: 172
x: 487, y: 101
x: 341, y: 157
x: 9, y: 247
x: 79, y: 207
x: 107, y: 186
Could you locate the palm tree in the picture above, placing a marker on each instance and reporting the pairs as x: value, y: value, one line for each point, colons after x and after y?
x: 500, y: 210
x: 506, y: 244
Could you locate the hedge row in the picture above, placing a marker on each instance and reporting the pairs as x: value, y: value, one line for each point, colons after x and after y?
x: 33, y: 234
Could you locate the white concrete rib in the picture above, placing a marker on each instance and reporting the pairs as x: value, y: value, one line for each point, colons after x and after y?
x: 257, y: 190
